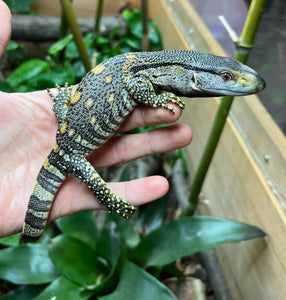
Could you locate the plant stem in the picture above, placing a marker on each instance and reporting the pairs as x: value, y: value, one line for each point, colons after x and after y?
x: 243, y: 48
x: 98, y: 17
x: 63, y: 33
x: 71, y: 19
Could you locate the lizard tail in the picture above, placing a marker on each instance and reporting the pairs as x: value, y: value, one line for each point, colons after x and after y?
x: 47, y: 183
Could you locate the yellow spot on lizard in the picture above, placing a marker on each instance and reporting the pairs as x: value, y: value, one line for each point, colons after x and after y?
x: 108, y: 79
x: 130, y: 55
x: 63, y: 128
x: 92, y: 120
x: 98, y: 69
x: 89, y: 103
x: 110, y: 99
x: 56, y: 148
x: 76, y: 97
x: 71, y: 132
x: 46, y: 163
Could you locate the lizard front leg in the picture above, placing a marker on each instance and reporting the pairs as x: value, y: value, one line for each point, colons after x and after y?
x: 142, y: 90
x: 84, y: 171
x: 60, y: 106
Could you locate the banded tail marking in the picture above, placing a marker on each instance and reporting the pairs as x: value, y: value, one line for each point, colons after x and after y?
x: 48, y: 181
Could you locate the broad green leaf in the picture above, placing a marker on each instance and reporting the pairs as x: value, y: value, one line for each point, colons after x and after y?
x: 24, y: 292
x: 71, y: 51
x: 133, y: 20
x: 109, y: 244
x: 12, y: 240
x: 135, y: 283
x: 49, y: 79
x: 60, y: 45
x: 27, y: 264
x: 109, y: 248
x: 80, y: 225
x: 78, y: 261
x: 154, y: 36
x: 153, y: 214
x: 128, y: 235
x: 12, y: 46
x: 187, y: 236
x: 26, y: 71
x: 19, y: 6
x: 61, y: 288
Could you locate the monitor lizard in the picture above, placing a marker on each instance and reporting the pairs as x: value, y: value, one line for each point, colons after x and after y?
x: 103, y: 99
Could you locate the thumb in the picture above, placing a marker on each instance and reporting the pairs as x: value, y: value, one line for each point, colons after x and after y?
x: 5, y: 25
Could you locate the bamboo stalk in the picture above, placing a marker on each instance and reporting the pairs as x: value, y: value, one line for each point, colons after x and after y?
x: 71, y: 19
x: 63, y: 33
x: 243, y: 47
x: 98, y: 17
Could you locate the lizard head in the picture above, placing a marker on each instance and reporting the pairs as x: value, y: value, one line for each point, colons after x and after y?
x: 193, y: 74
x: 219, y: 76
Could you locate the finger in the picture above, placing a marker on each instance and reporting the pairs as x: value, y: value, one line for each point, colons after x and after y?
x: 5, y: 25
x: 136, y: 192
x: 144, y: 115
x: 132, y: 146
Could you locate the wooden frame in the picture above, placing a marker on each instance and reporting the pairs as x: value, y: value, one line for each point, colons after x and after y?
x: 247, y: 178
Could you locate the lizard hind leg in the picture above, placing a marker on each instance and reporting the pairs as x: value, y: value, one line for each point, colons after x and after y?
x: 84, y: 171
x: 61, y: 100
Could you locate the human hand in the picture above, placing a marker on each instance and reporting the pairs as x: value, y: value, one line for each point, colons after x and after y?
x: 27, y: 133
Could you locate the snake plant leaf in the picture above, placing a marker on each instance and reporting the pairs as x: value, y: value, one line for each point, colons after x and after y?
x: 135, y: 283
x: 61, y: 288
x: 80, y: 225
x: 78, y: 261
x: 27, y: 264
x: 27, y: 70
x: 187, y: 236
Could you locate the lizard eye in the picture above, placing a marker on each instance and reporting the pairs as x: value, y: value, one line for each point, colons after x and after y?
x: 226, y: 76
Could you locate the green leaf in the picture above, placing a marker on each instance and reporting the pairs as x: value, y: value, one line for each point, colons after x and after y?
x: 109, y: 244
x: 135, y: 283
x: 60, y: 45
x: 108, y: 249
x: 24, y: 292
x: 128, y: 235
x: 12, y: 240
x: 80, y: 225
x: 12, y: 46
x: 61, y: 288
x: 27, y: 264
x: 49, y: 79
x: 133, y: 20
x: 78, y: 261
x: 71, y: 51
x: 154, y: 36
x: 187, y: 236
x: 153, y: 214
x: 19, y: 6
x: 26, y: 71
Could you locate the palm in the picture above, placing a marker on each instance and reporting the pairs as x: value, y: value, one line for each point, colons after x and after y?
x: 27, y: 131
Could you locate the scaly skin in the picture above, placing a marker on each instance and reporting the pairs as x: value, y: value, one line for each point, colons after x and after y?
x: 103, y: 99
